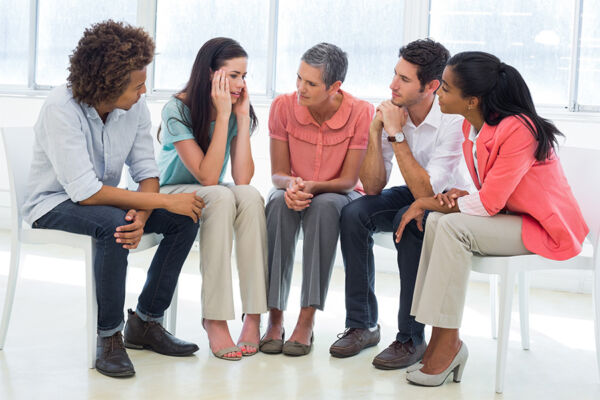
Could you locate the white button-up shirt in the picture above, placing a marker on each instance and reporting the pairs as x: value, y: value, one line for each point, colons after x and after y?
x: 436, y: 144
x: 75, y: 153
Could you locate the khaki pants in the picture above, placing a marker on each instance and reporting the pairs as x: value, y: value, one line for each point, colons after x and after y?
x: 449, y: 244
x: 230, y: 209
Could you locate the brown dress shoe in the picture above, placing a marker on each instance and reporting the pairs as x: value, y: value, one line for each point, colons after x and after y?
x: 353, y: 340
x: 140, y: 334
x: 399, y: 355
x: 111, y: 357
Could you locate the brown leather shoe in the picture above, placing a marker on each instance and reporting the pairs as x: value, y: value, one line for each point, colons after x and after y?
x: 353, y: 340
x: 111, y: 357
x: 399, y: 355
x: 140, y: 334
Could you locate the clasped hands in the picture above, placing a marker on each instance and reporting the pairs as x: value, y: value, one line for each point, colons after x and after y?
x: 298, y: 194
x: 390, y: 116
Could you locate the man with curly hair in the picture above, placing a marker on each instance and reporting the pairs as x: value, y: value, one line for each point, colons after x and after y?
x: 427, y: 148
x: 87, y: 130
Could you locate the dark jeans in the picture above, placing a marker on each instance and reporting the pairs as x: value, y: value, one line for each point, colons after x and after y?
x: 359, y: 220
x: 110, y: 261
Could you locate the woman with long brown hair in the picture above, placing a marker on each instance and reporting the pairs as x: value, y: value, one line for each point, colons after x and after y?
x: 203, y: 126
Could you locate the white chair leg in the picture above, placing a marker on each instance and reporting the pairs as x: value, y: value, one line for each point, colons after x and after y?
x: 493, y: 302
x: 524, y: 308
x: 506, y: 294
x: 91, y: 304
x: 11, y: 285
x: 596, y: 299
x: 172, y: 312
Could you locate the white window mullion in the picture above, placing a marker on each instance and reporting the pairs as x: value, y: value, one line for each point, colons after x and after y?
x: 146, y: 18
x: 272, y: 48
x: 33, y: 17
x: 575, y: 52
x: 416, y: 20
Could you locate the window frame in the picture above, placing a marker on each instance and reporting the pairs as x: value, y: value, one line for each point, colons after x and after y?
x: 416, y: 25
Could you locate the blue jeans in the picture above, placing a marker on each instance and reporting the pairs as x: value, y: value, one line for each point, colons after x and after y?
x: 359, y: 220
x: 110, y: 262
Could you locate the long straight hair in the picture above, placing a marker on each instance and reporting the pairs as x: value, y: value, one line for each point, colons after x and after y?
x: 502, y: 93
x: 210, y: 58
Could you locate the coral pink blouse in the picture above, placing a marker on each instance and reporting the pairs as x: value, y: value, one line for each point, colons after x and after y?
x: 317, y: 152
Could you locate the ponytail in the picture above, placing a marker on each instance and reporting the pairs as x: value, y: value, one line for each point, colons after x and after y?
x: 502, y: 93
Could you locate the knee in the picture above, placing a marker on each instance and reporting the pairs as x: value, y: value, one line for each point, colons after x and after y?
x: 219, y: 199
x: 182, y: 224
x: 326, y: 204
x: 449, y: 224
x: 276, y: 201
x: 112, y: 219
x: 248, y: 197
x: 353, y: 213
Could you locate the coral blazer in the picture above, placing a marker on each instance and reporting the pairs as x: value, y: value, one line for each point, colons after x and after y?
x: 512, y: 179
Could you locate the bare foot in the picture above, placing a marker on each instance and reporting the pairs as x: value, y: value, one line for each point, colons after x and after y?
x: 275, y: 326
x: 250, y: 333
x: 304, y: 327
x: 219, y: 337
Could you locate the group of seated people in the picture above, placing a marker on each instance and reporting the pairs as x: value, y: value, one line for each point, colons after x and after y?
x: 331, y: 158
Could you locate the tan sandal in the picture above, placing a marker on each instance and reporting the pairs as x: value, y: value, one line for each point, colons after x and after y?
x: 248, y: 344
x: 221, y: 353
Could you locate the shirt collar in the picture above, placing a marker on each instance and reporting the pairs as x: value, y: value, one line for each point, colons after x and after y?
x: 473, y: 134
x: 337, y: 121
x: 91, y: 112
x: 434, y: 116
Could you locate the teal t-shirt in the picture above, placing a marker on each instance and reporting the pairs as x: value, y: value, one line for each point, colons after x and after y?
x: 172, y: 169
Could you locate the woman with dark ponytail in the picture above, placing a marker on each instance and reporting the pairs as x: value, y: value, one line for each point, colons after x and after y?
x: 202, y: 125
x: 522, y: 205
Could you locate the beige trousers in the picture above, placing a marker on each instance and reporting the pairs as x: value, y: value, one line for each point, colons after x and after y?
x: 448, y: 246
x: 231, y: 209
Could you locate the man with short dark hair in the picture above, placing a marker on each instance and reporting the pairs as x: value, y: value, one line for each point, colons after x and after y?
x: 87, y: 130
x: 427, y: 147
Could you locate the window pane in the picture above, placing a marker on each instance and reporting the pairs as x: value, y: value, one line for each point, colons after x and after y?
x: 183, y: 27
x: 60, y: 26
x: 533, y: 36
x: 589, y: 61
x: 369, y: 31
x: 14, y: 42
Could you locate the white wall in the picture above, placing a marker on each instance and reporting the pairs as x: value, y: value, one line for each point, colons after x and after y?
x: 581, y: 130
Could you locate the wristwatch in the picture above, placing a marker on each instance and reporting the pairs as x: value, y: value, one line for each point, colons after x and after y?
x: 397, y: 138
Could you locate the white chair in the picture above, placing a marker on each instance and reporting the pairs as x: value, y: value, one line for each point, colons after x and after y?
x: 581, y: 168
x: 18, y: 145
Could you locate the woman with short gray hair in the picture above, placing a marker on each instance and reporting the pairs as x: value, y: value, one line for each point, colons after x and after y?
x: 319, y: 138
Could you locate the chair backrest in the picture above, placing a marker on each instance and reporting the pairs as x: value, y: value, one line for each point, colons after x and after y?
x: 582, y: 168
x: 18, y: 146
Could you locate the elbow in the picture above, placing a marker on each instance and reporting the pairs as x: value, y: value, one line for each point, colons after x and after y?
x: 371, y: 191
x: 209, y: 182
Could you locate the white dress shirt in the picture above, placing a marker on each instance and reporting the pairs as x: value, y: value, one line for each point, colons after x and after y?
x: 436, y: 144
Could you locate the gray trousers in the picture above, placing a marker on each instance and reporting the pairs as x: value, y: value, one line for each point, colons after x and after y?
x: 320, y: 225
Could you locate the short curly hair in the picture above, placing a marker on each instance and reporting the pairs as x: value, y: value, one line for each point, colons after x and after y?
x: 101, y: 64
x: 429, y: 56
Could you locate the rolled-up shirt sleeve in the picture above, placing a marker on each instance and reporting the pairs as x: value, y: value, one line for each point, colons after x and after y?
x: 63, y: 141
x: 140, y: 160
x: 445, y: 162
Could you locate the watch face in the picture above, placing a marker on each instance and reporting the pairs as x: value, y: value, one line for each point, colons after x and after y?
x: 397, y: 138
